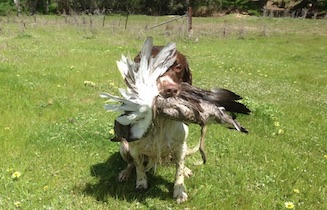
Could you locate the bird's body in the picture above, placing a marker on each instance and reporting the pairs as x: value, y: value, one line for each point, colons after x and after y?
x: 199, y: 106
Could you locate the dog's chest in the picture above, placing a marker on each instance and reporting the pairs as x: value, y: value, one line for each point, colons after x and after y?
x: 164, y: 141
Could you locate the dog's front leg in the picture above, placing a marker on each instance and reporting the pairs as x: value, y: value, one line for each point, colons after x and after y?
x: 141, y: 179
x: 179, y: 187
x: 125, y: 154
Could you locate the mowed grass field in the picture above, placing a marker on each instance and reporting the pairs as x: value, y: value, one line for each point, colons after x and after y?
x: 54, y: 133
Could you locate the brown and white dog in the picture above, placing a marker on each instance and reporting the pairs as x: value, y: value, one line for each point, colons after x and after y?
x: 158, y: 135
x: 167, y: 140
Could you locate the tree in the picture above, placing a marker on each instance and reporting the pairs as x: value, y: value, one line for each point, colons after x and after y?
x: 17, y: 3
x: 307, y: 8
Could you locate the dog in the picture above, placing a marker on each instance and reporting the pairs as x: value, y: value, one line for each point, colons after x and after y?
x: 159, y: 98
x: 167, y: 140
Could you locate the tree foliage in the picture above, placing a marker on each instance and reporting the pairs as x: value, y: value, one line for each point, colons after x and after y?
x: 152, y: 7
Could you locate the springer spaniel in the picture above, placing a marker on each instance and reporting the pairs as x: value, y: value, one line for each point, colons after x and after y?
x: 155, y: 134
x: 167, y: 140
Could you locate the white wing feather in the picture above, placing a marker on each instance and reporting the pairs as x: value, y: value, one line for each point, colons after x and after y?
x: 137, y: 102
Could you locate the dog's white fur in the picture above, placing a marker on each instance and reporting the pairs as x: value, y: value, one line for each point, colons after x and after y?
x: 166, y: 143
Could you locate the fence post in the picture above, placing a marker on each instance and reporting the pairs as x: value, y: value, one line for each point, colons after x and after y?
x: 126, y: 19
x: 189, y: 18
x: 104, y: 19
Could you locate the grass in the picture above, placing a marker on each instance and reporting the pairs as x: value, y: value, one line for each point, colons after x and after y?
x: 54, y: 131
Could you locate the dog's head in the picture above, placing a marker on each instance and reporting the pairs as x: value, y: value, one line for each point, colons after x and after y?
x: 180, y: 71
x: 169, y: 83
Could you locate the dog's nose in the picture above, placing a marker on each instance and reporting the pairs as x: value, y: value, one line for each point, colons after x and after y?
x: 167, y: 87
x: 170, y: 92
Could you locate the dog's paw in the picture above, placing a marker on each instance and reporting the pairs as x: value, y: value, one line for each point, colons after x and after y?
x: 180, y: 194
x: 141, y: 184
x: 188, y: 172
x: 123, y: 175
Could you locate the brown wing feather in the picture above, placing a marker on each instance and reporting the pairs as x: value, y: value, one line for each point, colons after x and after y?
x: 218, y: 96
x: 199, y: 106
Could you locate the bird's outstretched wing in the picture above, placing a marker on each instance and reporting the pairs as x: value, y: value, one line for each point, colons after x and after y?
x: 137, y: 101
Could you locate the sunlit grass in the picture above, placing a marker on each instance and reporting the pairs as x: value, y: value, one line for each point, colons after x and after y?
x: 55, y: 133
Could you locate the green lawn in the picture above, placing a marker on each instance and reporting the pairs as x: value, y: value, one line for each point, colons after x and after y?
x: 55, y: 152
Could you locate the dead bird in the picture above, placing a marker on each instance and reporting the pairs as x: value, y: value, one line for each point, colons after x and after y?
x: 203, y: 107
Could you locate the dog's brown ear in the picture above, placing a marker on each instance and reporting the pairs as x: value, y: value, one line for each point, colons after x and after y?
x: 182, y: 69
x: 187, y: 77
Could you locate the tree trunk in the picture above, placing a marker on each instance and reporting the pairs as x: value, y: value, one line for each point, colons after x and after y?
x: 32, y: 6
x: 47, y: 7
x: 17, y: 3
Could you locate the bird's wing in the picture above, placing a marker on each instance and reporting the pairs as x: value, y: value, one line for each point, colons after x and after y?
x: 218, y: 96
x: 193, y: 107
x: 137, y: 101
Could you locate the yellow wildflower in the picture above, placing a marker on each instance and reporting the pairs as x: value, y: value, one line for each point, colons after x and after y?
x: 289, y: 205
x: 46, y: 187
x: 17, y: 204
x: 296, y: 190
x: 325, y: 156
x: 111, y: 131
x: 276, y: 124
x: 89, y: 83
x: 280, y: 131
x: 16, y: 175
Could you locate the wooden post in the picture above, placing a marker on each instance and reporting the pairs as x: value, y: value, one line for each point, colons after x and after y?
x: 17, y: 3
x: 126, y: 19
x: 104, y: 19
x: 189, y: 18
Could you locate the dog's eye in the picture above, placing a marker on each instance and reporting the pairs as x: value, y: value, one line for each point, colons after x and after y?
x: 178, y: 68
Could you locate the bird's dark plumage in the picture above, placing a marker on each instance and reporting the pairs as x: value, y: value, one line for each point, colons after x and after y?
x: 196, y: 105
x: 218, y: 96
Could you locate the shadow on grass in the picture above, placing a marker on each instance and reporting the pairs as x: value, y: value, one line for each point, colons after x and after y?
x: 108, y: 186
